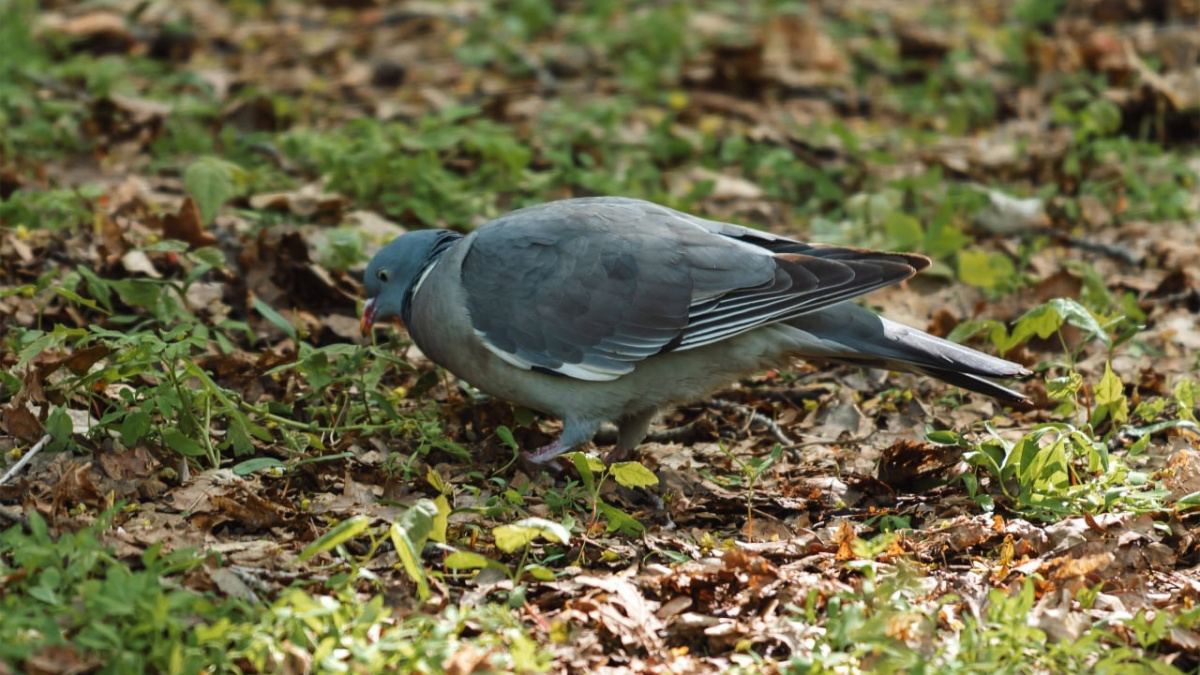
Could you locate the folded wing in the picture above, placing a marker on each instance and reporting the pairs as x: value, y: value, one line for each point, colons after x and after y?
x: 587, y: 288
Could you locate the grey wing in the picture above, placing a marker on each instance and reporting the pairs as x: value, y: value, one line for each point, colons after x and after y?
x: 824, y: 276
x: 588, y: 287
x: 813, y: 277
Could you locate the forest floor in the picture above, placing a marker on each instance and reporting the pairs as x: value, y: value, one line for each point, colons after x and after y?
x: 235, y: 480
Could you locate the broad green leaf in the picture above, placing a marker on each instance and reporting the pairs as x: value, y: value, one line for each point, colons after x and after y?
x: 873, y: 206
x: 1042, y: 321
x: 988, y: 456
x: 1101, y: 117
x: 417, y: 522
x: 261, y: 433
x: 547, y: 528
x: 138, y: 292
x: 79, y: 299
x: 134, y: 428
x: 619, y: 521
x: 317, y: 368
x: 997, y: 333
x: 1188, y: 501
x: 587, y: 467
x: 761, y: 464
x: 1187, y: 392
x: 510, y: 538
x: 1077, y: 315
x: 441, y: 520
x: 985, y: 502
x: 257, y: 464
x: 985, y: 270
x: 540, y: 572
x: 210, y: 255
x: 239, y: 433
x: 1148, y: 411
x: 1110, y: 398
x: 98, y: 287
x: 518, y: 535
x: 56, y: 338
x: 174, y: 439
x: 506, y: 436
x: 516, y: 597
x: 465, y: 560
x: 210, y: 182
x: 522, y: 416
x: 343, y: 248
x: 59, y: 426
x: 409, y: 535
x: 633, y: 474
x: 904, y: 230
x: 945, y: 437
x: 1065, y: 387
x: 338, y: 534
x: 943, y: 239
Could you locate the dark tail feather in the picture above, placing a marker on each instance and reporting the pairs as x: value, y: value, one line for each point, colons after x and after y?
x: 958, y: 377
x: 851, y: 334
x: 960, y: 366
x: 976, y: 384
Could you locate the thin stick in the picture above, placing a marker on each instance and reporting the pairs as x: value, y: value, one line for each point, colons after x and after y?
x: 16, y: 468
x: 753, y: 416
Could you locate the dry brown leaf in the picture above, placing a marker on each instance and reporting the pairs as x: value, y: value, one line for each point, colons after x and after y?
x: 187, y: 225
x: 468, y: 661
x: 81, y: 360
x: 21, y: 423
x: 845, y: 542
x: 251, y: 512
x: 75, y: 486
x: 60, y: 660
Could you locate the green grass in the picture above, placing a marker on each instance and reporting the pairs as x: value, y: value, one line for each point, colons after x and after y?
x: 70, y: 592
x: 840, y: 178
x: 893, y: 625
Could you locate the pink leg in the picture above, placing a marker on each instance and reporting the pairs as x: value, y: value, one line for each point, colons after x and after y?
x: 575, y: 433
x: 536, y: 461
x: 545, y: 454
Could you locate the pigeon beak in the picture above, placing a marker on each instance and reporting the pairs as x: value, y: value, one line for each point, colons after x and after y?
x: 368, y: 317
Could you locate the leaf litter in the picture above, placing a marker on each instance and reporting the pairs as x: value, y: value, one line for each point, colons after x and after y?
x: 703, y: 587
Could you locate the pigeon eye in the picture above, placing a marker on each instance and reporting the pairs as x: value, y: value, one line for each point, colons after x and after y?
x: 383, y: 275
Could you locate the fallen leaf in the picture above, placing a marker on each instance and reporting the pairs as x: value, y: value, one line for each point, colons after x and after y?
x: 187, y: 225
x: 21, y: 423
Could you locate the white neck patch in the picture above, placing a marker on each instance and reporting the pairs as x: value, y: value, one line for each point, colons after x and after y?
x: 424, y: 275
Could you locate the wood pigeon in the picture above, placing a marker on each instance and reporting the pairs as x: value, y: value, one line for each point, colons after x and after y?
x: 608, y: 308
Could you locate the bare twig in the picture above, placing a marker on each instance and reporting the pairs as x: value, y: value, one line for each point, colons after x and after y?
x: 1114, y: 251
x: 608, y: 432
x: 16, y: 468
x: 753, y: 416
x: 259, y: 577
x: 681, y: 434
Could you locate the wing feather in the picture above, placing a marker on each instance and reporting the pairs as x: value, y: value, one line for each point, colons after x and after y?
x: 589, y: 287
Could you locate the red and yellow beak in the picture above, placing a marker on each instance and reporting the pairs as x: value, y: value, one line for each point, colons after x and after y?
x: 367, y: 322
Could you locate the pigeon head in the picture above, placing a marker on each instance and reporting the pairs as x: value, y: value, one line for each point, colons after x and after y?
x: 396, y: 271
